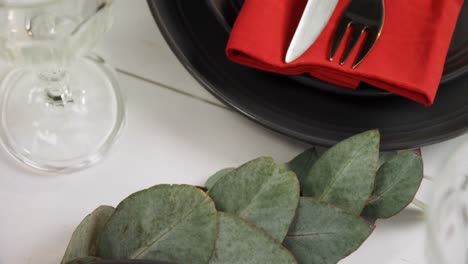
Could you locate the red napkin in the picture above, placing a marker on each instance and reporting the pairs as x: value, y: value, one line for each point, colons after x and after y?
x: 408, y: 59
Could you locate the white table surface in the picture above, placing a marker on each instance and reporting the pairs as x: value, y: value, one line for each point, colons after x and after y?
x: 176, y: 133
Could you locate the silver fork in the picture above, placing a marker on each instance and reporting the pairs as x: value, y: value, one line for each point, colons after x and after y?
x: 360, y: 16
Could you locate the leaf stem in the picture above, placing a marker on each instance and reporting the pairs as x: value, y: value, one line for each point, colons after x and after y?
x: 420, y: 204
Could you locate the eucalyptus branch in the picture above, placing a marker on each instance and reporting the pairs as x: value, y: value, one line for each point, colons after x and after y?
x: 420, y: 204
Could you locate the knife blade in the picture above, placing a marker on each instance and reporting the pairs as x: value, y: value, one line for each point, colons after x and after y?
x: 315, y: 17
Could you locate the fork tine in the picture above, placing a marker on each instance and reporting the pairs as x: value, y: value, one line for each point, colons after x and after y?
x: 338, y: 36
x: 356, y: 33
x: 371, y: 39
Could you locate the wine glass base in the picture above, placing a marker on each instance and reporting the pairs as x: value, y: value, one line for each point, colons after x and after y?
x: 59, y: 136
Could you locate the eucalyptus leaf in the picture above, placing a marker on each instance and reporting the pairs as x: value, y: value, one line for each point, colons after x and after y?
x: 396, y: 184
x: 324, y: 234
x: 262, y: 192
x: 344, y: 175
x: 83, y: 260
x: 242, y: 242
x: 303, y: 162
x: 386, y: 156
x: 218, y: 175
x: 166, y: 222
x: 84, y: 239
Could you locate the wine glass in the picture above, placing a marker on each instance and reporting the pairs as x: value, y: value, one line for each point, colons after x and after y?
x: 448, y: 213
x: 60, y: 110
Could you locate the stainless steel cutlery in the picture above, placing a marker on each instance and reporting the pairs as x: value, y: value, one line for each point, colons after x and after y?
x: 361, y: 17
x: 315, y: 17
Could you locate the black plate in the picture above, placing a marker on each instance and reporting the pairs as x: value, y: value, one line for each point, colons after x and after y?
x: 198, y: 39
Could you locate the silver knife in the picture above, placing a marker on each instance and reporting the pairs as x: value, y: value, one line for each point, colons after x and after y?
x: 316, y: 15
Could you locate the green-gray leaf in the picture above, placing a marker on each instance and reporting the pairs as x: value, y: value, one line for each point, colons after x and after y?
x: 242, y: 242
x: 396, y: 184
x: 324, y: 234
x: 83, y: 260
x: 303, y: 162
x: 344, y: 175
x: 218, y: 175
x: 166, y: 222
x: 84, y: 239
x: 262, y: 192
x: 386, y: 156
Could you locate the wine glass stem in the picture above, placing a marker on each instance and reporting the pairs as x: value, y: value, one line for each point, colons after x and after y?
x: 55, y: 82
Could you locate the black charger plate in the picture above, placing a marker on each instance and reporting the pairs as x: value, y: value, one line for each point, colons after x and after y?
x: 198, y: 38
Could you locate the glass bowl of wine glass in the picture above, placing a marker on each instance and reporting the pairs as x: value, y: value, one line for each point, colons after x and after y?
x: 61, y: 109
x: 447, y: 238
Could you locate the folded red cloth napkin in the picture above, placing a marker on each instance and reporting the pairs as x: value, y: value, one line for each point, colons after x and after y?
x: 408, y: 59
